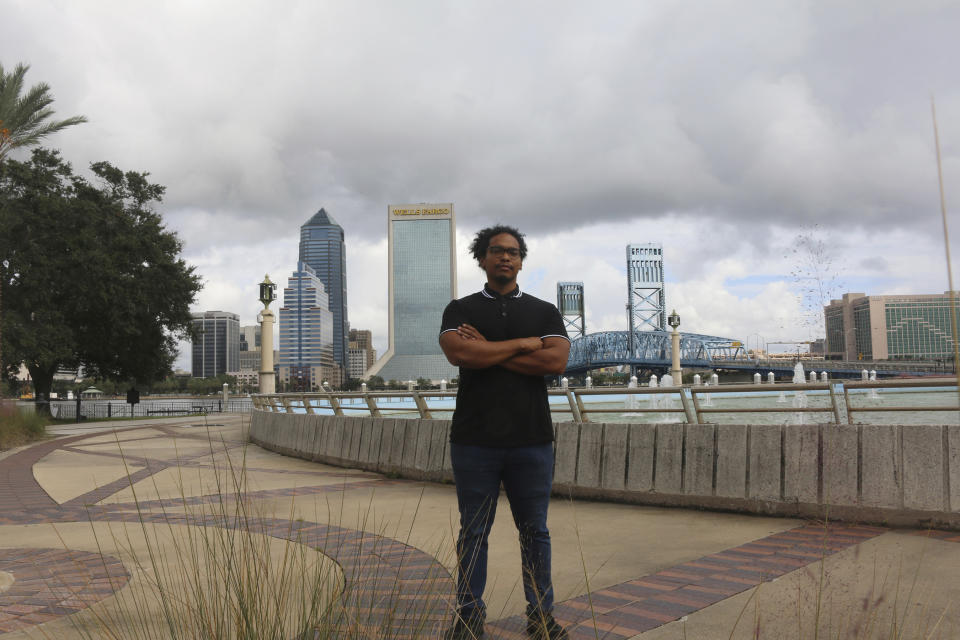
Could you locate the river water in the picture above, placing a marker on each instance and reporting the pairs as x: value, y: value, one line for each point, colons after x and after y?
x: 619, y: 408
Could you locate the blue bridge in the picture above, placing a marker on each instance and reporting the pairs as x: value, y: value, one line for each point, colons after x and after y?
x: 651, y: 352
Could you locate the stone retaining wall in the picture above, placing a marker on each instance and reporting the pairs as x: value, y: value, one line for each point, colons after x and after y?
x: 890, y: 474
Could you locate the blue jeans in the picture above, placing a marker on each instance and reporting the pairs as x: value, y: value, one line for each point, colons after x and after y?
x: 527, y: 476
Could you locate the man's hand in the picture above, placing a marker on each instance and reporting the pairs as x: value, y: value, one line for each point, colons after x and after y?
x: 469, y: 332
x: 527, y: 345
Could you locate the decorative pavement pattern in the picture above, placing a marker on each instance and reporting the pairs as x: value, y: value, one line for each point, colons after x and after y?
x: 52, y: 583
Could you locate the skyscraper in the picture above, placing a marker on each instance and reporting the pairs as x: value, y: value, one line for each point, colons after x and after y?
x: 322, y: 248
x: 216, y: 349
x: 305, y: 354
x: 422, y: 277
x: 361, y: 352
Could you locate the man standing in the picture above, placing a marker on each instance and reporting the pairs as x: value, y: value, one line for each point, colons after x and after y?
x: 504, y: 342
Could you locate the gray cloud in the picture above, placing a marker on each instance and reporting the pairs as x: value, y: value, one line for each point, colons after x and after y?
x: 549, y: 115
x: 734, y: 124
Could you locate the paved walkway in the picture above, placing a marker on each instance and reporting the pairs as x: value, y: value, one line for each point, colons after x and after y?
x: 620, y: 571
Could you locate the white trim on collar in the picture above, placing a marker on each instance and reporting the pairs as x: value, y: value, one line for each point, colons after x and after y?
x: 487, y: 295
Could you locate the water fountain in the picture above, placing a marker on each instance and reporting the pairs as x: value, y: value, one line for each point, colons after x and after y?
x: 756, y: 378
x: 799, y: 398
x: 443, y: 385
x: 564, y: 383
x: 873, y: 395
x: 813, y: 376
x: 824, y: 377
x: 714, y: 379
x: 771, y: 378
x: 655, y: 400
x: 589, y: 382
x: 864, y: 375
x: 663, y: 401
x: 706, y: 399
x: 696, y: 380
x: 633, y: 400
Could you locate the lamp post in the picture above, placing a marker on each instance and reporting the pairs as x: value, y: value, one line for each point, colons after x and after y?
x: 267, y: 295
x: 675, y: 372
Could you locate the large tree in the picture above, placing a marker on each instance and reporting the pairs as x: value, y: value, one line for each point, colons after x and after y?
x: 91, y: 275
x: 25, y: 121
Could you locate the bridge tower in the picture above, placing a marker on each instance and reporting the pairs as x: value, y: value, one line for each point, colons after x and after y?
x: 646, y: 303
x: 570, y: 304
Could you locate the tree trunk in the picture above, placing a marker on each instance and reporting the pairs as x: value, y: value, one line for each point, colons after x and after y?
x: 42, y: 384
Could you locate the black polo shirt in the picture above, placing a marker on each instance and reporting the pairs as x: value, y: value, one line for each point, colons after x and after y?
x: 497, y: 407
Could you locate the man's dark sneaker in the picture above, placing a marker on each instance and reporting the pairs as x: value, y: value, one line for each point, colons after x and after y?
x: 542, y: 626
x: 469, y: 628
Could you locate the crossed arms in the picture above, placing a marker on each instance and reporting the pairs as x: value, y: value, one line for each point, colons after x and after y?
x: 466, y: 347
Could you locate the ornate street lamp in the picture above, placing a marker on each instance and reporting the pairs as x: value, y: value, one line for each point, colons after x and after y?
x: 267, y: 292
x: 674, y: 321
x: 267, y: 295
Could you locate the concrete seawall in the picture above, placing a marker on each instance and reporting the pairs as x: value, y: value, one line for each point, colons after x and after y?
x: 890, y: 474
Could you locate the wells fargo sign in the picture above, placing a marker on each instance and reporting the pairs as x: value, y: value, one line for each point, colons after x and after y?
x: 425, y: 210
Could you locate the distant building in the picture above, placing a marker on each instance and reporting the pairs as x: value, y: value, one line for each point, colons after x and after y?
x: 250, y: 338
x: 305, y: 354
x: 216, y: 349
x: 422, y: 277
x: 250, y: 360
x: 890, y: 327
x: 246, y: 377
x: 323, y: 249
x: 249, y: 370
x: 361, y: 354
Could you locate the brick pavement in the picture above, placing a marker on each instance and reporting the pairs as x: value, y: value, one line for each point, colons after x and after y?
x: 379, y: 570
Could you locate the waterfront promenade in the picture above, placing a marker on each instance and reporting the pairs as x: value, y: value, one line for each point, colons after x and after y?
x: 621, y: 571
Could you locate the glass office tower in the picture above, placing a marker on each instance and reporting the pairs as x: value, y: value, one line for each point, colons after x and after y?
x: 422, y: 270
x: 305, y: 354
x: 322, y: 248
x: 216, y: 349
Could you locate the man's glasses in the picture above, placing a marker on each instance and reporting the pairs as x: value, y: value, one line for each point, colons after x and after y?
x: 496, y: 250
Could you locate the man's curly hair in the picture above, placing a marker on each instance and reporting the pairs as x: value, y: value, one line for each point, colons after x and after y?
x: 482, y: 240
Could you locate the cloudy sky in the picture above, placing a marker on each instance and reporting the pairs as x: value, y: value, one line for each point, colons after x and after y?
x: 724, y: 130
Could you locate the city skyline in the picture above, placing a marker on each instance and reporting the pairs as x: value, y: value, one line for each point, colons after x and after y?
x: 722, y: 132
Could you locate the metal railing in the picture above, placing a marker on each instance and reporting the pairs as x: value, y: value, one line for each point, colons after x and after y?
x: 692, y: 405
x: 873, y: 384
x: 108, y: 409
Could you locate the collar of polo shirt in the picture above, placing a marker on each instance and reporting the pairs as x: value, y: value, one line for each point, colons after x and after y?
x: 487, y: 293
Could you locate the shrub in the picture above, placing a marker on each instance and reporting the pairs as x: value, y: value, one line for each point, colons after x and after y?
x: 18, y: 428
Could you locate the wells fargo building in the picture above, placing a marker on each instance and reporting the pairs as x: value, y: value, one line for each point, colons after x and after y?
x: 422, y: 277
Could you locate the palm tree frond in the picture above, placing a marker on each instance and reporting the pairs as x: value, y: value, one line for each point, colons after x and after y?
x: 24, y: 116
